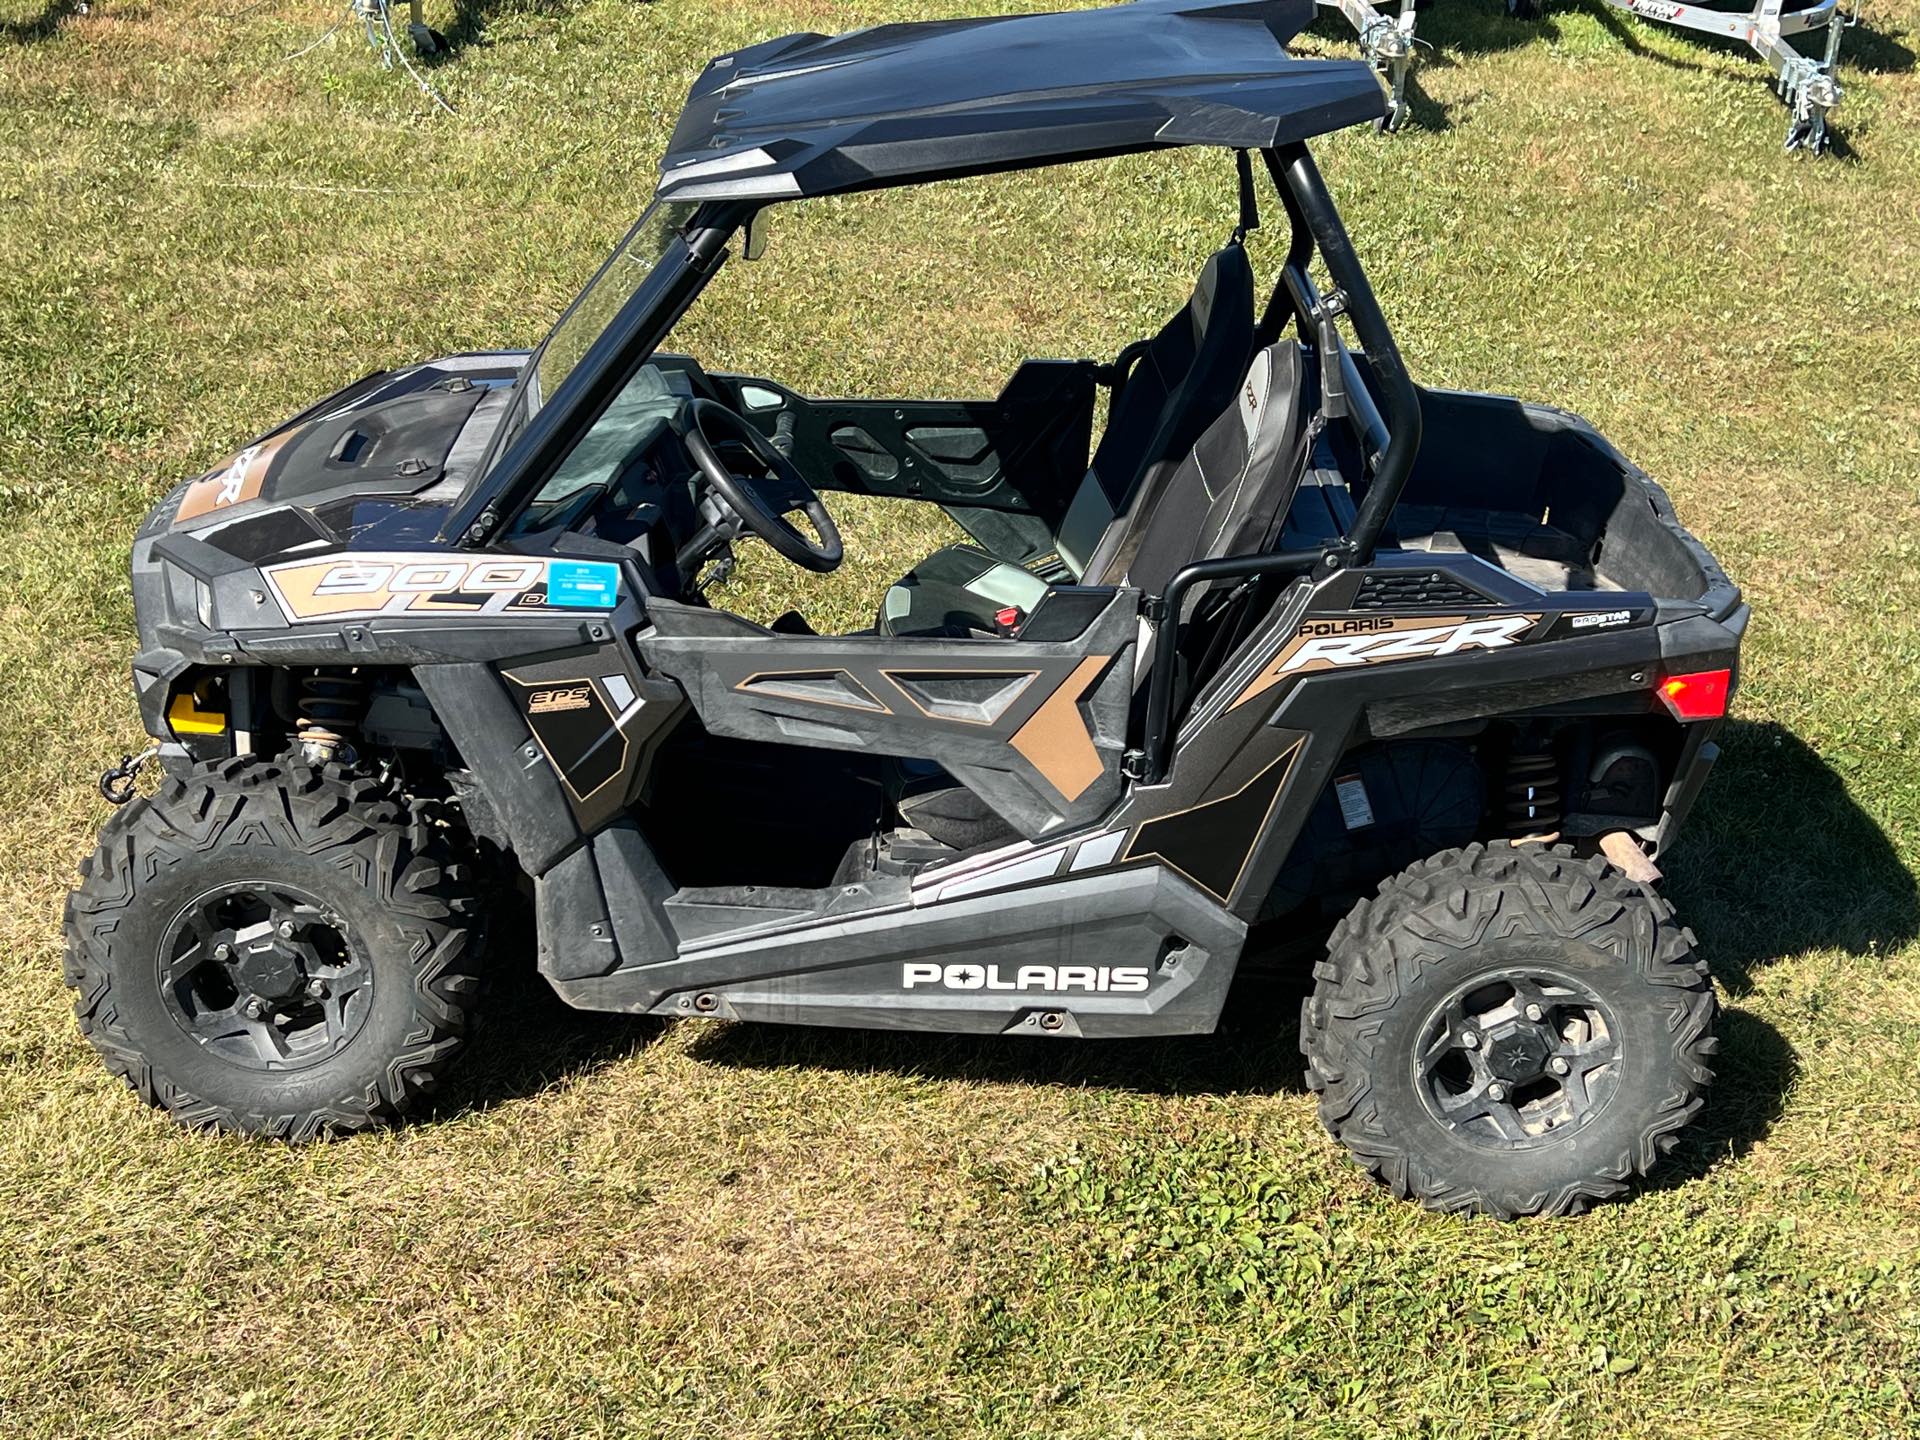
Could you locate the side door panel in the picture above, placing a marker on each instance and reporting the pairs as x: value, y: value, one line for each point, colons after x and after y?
x: 1022, y: 453
x: 1035, y: 729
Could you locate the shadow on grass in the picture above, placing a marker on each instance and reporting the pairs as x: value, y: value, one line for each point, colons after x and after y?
x: 1451, y: 34
x: 43, y: 26
x: 1423, y: 111
x: 1486, y: 28
x: 470, y: 17
x: 1860, y: 49
x: 1627, y: 33
x: 1441, y: 34
x: 1754, y: 1073
x: 1255, y: 1051
x: 1777, y: 860
x: 1874, y: 53
x: 529, y: 1039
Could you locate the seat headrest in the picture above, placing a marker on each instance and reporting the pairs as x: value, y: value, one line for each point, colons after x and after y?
x: 1227, y: 494
x: 1225, y: 280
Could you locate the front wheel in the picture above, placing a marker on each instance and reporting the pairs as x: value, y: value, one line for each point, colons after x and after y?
x: 274, y: 949
x: 1510, y: 1030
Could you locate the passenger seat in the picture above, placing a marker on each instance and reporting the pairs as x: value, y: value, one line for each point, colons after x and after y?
x: 1226, y: 497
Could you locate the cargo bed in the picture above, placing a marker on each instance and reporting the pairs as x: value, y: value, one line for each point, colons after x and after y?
x: 1533, y: 490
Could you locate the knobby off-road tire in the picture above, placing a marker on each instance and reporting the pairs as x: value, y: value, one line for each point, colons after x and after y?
x: 1430, y: 985
x: 379, y: 908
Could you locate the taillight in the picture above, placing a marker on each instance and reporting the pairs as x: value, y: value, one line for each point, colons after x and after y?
x: 1701, y: 695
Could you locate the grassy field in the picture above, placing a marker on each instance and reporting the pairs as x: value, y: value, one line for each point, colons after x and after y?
x: 610, y: 1227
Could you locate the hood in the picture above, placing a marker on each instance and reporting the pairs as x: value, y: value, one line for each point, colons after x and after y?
x: 388, y: 455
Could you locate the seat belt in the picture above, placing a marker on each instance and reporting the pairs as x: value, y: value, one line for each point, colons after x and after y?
x: 1249, y: 201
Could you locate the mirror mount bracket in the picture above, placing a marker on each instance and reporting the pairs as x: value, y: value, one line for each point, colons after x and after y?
x: 756, y: 237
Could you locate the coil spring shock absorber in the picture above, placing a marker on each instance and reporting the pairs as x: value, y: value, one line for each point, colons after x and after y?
x: 1531, y: 791
x: 330, y: 705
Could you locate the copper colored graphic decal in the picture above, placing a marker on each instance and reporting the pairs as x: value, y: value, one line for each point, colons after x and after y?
x: 1342, y: 641
x: 234, y: 483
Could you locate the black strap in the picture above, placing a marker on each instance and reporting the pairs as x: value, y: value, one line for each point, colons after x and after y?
x: 1249, y: 204
x: 1114, y: 376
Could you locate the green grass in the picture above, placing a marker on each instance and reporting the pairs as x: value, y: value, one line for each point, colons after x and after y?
x: 615, y: 1228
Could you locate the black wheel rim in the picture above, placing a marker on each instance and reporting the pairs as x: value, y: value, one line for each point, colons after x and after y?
x: 1510, y: 1061
x: 265, y: 976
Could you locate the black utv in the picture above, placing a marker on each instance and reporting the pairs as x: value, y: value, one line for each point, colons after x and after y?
x: 1294, y: 640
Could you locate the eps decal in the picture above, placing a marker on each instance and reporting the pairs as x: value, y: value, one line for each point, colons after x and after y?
x: 436, y: 584
x: 1338, y: 642
x: 569, y: 697
x: 578, y: 731
x: 1095, y: 979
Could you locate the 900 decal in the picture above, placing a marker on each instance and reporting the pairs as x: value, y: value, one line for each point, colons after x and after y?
x: 363, y: 586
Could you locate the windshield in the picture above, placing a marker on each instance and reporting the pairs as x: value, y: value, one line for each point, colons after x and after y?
x: 601, y: 301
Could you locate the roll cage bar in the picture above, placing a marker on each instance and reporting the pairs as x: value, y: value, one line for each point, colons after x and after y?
x: 1388, y: 440
x: 1388, y: 443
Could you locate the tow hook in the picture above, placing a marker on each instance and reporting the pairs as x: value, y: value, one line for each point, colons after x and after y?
x: 117, y: 782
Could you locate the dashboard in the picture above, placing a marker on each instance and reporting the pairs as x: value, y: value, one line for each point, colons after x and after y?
x: 628, y: 480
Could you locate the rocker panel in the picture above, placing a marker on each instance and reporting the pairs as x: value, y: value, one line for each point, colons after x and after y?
x: 1045, y: 756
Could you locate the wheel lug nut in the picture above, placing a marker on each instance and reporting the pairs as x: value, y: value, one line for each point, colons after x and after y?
x: 223, y: 952
x: 286, y: 929
x: 1534, y: 1012
x: 1470, y: 1039
x: 1558, y: 1064
x: 255, y: 1009
x: 1496, y: 1092
x: 316, y: 988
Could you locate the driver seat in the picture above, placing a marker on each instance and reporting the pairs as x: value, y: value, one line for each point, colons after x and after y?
x: 1171, y: 387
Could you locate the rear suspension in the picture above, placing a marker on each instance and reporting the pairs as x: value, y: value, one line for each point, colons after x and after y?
x: 1531, y: 796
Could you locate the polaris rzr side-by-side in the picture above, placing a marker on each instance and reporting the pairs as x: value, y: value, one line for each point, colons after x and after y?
x: 1292, y: 641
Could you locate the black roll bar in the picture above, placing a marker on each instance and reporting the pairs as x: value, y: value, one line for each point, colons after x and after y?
x: 1164, y: 612
x: 1315, y: 222
x: 1402, y: 417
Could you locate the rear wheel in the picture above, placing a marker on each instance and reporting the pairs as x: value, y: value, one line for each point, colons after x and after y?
x: 274, y: 949
x: 1511, y: 1030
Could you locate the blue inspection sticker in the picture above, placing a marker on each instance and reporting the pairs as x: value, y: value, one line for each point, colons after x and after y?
x: 583, y: 584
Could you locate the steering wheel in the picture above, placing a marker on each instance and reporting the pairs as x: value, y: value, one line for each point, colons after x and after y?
x: 762, y: 502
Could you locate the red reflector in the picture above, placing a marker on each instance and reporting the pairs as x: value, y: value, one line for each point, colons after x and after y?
x: 1008, y: 618
x: 1699, y: 696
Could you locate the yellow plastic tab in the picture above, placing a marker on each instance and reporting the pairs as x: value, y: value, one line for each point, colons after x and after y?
x: 187, y: 718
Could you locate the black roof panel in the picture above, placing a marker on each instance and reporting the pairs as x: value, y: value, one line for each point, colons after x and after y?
x: 899, y: 104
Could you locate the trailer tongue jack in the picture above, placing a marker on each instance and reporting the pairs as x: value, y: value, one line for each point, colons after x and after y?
x: 1386, y: 43
x: 1806, y: 83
